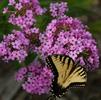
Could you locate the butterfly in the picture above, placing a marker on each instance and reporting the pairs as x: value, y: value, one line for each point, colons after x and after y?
x: 67, y: 74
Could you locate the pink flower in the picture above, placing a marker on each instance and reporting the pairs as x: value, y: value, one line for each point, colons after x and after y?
x: 5, y: 10
x: 14, y: 46
x: 68, y: 36
x: 12, y: 2
x: 58, y: 9
x: 28, y: 10
x: 36, y: 78
x: 18, y: 6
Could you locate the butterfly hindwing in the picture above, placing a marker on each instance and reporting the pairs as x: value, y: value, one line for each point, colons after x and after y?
x: 66, y: 73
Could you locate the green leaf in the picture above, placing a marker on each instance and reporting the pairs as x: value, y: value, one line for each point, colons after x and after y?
x: 16, y: 65
x: 95, y: 27
x: 42, y: 21
x: 5, y: 27
x: 30, y: 58
x: 3, y: 3
x: 77, y: 12
x: 80, y: 3
x: 45, y: 3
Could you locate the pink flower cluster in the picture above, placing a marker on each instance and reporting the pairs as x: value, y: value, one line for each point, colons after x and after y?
x: 58, y: 9
x: 14, y: 46
x: 24, y: 13
x: 63, y: 35
x: 69, y: 36
x: 36, y: 79
x: 18, y: 44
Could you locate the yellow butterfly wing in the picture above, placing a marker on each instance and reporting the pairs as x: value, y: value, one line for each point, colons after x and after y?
x: 68, y: 73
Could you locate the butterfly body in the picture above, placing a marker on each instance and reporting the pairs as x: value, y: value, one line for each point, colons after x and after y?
x: 67, y: 74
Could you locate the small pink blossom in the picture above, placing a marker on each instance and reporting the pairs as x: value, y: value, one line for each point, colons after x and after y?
x: 36, y: 79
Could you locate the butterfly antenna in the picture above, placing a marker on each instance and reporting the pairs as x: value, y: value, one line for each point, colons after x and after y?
x: 77, y: 63
x: 87, y: 62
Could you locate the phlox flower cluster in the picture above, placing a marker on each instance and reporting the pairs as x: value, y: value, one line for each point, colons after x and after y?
x: 14, y: 46
x: 58, y: 9
x: 69, y: 36
x: 18, y: 44
x: 36, y: 78
x: 24, y: 12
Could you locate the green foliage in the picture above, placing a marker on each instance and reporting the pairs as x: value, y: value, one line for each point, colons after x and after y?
x: 80, y: 3
x: 3, y: 3
x: 16, y: 65
x: 30, y: 58
x: 5, y: 27
x: 42, y: 21
x: 80, y: 12
x: 27, y: 61
x: 95, y: 27
x: 45, y: 3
